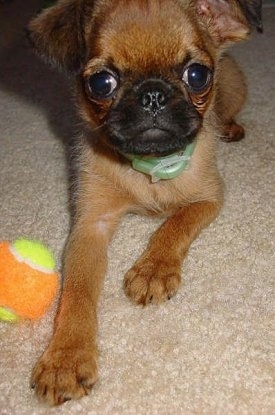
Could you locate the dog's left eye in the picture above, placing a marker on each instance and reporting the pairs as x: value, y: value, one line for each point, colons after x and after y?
x: 197, y: 77
x: 102, y: 84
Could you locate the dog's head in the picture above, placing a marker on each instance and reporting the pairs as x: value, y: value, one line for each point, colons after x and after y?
x: 146, y: 69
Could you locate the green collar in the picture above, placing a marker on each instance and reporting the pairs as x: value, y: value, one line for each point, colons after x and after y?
x: 167, y: 167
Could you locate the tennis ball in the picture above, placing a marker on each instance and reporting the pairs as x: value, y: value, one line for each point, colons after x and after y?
x: 28, y: 282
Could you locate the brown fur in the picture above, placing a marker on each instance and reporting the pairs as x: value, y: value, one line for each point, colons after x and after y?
x: 135, y: 36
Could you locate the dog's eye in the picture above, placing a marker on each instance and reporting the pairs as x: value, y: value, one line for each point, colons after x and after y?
x: 197, y: 77
x: 102, y: 84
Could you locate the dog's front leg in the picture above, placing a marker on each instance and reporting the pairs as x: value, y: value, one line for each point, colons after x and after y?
x: 156, y: 275
x: 68, y: 368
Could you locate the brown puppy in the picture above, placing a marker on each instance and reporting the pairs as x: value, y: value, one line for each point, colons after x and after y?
x: 152, y: 80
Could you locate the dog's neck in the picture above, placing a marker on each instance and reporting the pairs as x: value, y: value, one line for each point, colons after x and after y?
x: 163, y: 168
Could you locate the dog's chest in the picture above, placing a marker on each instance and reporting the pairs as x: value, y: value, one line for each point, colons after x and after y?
x: 161, y: 198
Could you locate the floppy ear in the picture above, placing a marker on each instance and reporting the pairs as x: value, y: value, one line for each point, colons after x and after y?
x: 224, y: 20
x: 57, y: 34
x: 252, y: 9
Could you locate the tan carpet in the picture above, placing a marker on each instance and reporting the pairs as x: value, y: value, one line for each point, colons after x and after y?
x: 210, y: 350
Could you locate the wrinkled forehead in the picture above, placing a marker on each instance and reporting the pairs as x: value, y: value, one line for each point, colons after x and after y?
x: 143, y: 35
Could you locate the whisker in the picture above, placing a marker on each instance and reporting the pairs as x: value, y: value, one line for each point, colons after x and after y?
x: 99, y: 126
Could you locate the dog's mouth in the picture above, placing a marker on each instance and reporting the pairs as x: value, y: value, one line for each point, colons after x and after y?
x: 154, y: 142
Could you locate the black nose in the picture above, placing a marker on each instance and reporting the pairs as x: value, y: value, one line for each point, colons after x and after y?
x: 153, y: 97
x: 153, y: 101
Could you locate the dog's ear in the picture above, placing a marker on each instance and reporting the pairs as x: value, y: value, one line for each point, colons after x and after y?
x: 252, y: 10
x: 57, y: 34
x: 224, y: 20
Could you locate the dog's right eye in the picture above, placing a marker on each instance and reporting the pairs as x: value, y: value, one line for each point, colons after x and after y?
x: 101, y: 85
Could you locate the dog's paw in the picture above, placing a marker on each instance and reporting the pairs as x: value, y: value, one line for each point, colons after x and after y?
x: 232, y: 132
x: 63, y: 374
x: 152, y: 282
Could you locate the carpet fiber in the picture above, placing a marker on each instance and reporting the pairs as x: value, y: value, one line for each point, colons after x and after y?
x: 210, y: 350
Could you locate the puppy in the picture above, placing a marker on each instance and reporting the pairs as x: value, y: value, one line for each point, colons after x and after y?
x: 155, y: 88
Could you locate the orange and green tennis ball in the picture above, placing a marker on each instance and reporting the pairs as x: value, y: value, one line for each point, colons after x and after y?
x: 28, y: 281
